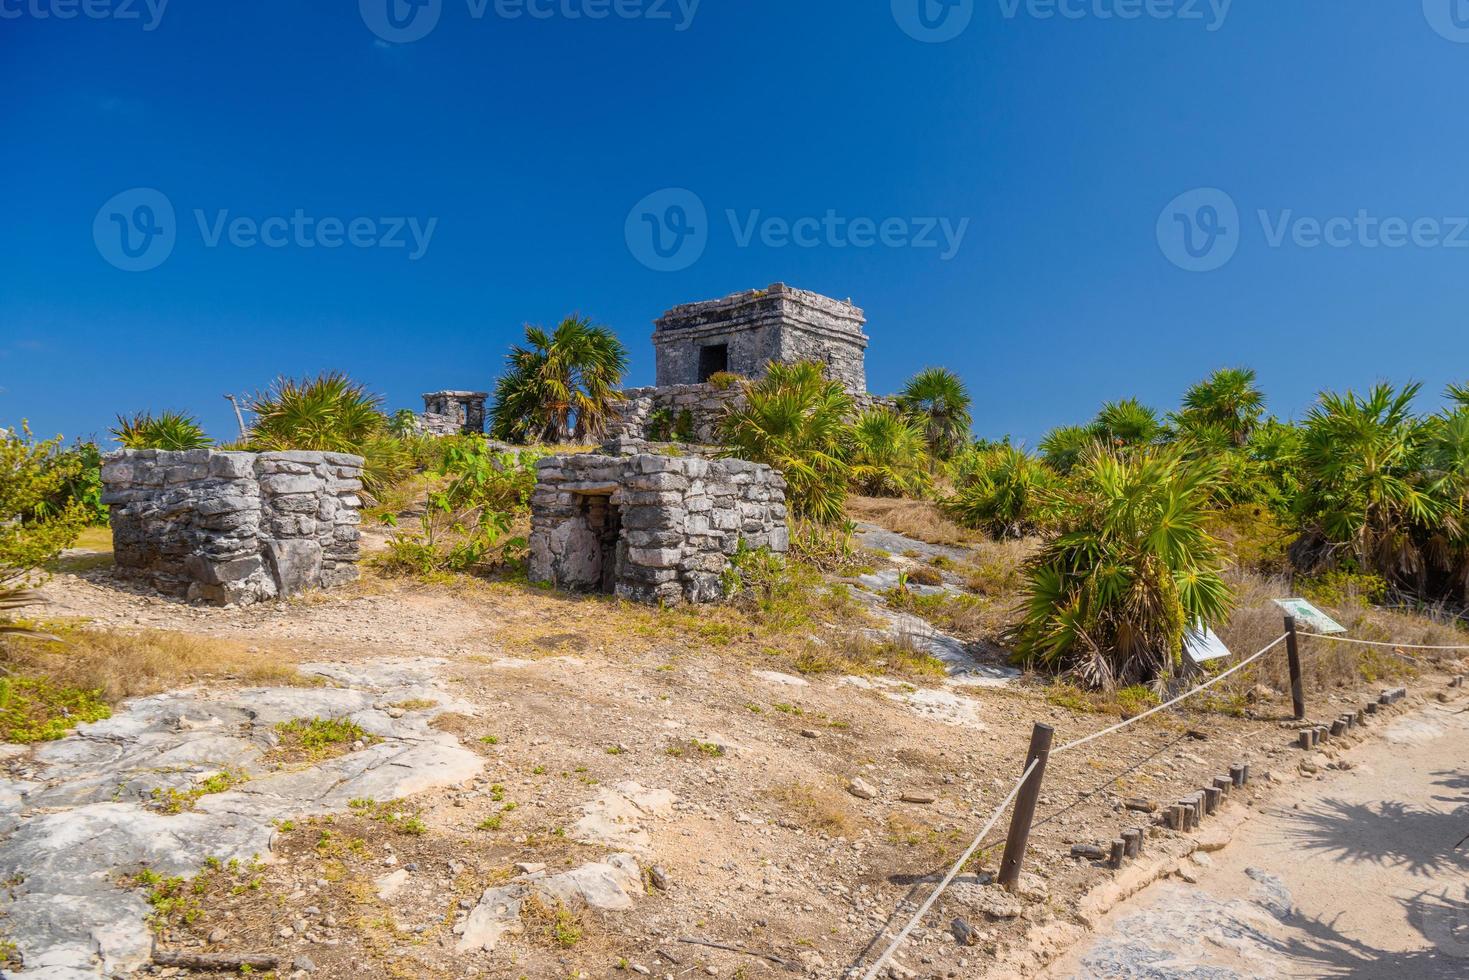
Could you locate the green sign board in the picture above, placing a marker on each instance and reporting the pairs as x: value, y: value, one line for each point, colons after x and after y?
x: 1311, y: 619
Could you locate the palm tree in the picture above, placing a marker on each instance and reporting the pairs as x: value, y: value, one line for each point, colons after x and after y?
x: 939, y: 398
x: 889, y: 455
x: 1363, y: 489
x: 1128, y: 422
x: 563, y: 383
x: 170, y: 430
x: 1062, y: 448
x: 795, y: 419
x: 1228, y: 400
x: 1131, y: 569
x: 1001, y: 492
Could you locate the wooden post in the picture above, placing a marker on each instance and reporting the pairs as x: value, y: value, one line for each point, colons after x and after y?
x: 1293, y: 655
x: 1119, y: 851
x: 1305, y: 738
x: 1024, y: 814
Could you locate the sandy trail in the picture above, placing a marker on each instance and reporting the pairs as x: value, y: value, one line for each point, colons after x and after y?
x: 1361, y: 873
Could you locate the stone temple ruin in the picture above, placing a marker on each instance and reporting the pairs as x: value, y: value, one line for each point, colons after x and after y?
x: 452, y: 413
x: 742, y: 333
x: 651, y: 528
x: 233, y: 528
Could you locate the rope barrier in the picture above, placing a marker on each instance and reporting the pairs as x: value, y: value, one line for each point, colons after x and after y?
x: 1168, y: 704
x: 1015, y: 791
x: 1379, y: 643
x: 953, y: 873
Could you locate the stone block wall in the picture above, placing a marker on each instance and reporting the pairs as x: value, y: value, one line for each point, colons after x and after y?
x: 651, y: 528
x: 231, y: 527
x: 706, y: 404
x: 452, y: 413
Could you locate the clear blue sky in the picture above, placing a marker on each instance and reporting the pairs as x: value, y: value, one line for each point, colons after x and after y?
x: 529, y: 140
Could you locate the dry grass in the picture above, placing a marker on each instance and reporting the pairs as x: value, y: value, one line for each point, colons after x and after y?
x: 919, y: 519
x: 820, y: 808
x: 126, y: 664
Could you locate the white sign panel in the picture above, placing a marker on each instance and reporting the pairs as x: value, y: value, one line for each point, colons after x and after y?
x: 1203, y: 645
x: 1313, y: 620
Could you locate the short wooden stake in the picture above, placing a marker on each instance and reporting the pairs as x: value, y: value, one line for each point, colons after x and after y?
x: 1130, y: 845
x: 1024, y: 813
x: 1211, y: 799
x: 1237, y: 775
x: 1304, y: 737
x: 1338, y: 727
x: 1119, y: 849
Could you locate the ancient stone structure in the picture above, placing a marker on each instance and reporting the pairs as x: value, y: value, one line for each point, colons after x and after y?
x: 651, y: 528
x: 744, y: 332
x: 451, y: 413
x: 678, y: 413
x: 228, y: 527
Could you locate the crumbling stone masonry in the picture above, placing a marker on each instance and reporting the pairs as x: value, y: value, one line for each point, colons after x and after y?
x: 234, y: 528
x: 744, y: 332
x: 451, y: 413
x: 680, y: 413
x: 651, y: 528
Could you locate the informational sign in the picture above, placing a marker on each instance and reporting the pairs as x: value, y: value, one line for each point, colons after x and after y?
x: 1309, y: 618
x: 1203, y: 645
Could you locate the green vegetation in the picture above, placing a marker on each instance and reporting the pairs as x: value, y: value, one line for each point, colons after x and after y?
x: 169, y: 430
x: 938, y: 397
x: 889, y: 455
x: 1002, y: 491
x: 34, y: 709
x: 466, y: 523
x: 1130, y: 569
x: 38, y: 516
x: 331, y: 413
x: 171, y: 800
x: 319, y: 738
x: 561, y: 384
x: 796, y: 420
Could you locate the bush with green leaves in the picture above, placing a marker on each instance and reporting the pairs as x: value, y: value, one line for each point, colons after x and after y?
x: 466, y: 522
x: 169, y: 430
x: 561, y: 385
x: 1002, y: 491
x: 889, y: 454
x: 1130, y: 568
x: 795, y: 419
x: 331, y: 413
x: 34, y: 528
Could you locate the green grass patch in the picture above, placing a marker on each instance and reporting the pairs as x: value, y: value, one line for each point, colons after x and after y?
x: 33, y: 709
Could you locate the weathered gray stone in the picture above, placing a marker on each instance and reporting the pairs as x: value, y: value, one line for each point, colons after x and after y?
x: 650, y: 528
x: 232, y: 527
x: 451, y: 413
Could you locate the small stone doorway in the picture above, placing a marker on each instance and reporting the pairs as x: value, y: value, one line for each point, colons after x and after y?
x: 713, y: 359
x: 603, y: 518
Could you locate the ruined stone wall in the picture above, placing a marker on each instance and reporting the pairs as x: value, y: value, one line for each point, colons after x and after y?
x: 231, y: 527
x: 651, y: 528
x: 779, y: 323
x: 705, y: 405
x: 452, y: 413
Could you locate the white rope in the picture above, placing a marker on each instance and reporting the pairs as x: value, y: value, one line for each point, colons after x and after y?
x: 1379, y: 643
x: 953, y: 873
x: 1153, y: 711
x: 882, y: 960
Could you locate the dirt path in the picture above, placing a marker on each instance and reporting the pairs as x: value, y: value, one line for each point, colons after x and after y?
x: 1361, y: 872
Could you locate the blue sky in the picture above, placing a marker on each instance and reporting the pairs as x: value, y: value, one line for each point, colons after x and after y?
x: 524, y: 143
